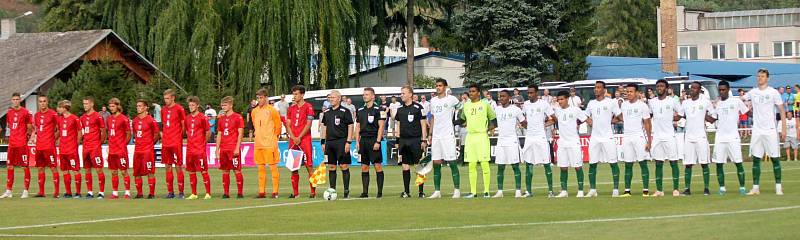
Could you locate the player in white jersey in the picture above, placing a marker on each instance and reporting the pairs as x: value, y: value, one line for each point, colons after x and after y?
x: 569, y: 152
x: 636, y: 138
x: 602, y: 147
x: 664, y: 147
x: 507, y: 148
x: 443, y: 138
x: 791, y: 136
x: 727, y: 144
x: 763, y: 141
x: 696, y: 110
x: 538, y: 115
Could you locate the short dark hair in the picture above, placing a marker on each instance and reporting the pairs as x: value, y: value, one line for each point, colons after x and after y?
x: 664, y: 81
x: 142, y: 100
x: 696, y: 82
x: 633, y: 85
x: 193, y: 99
x: 601, y: 83
x: 409, y: 88
x: 369, y: 89
x: 16, y: 94
x: 261, y: 92
x: 442, y: 81
x: 506, y: 92
x: 88, y: 98
x: 562, y: 93
x: 300, y: 88
x: 724, y: 83
x: 475, y: 86
x: 534, y: 86
x: 741, y: 90
x: 764, y: 70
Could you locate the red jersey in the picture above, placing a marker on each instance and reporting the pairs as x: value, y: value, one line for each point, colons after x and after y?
x: 196, y: 128
x: 118, y: 126
x: 298, y: 117
x: 46, y: 124
x: 68, y: 128
x: 171, y: 119
x: 144, y: 130
x: 92, y: 124
x: 17, y: 121
x: 228, y: 127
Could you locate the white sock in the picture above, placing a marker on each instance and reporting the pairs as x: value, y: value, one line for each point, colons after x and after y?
x: 127, y: 192
x: 755, y: 187
x: 114, y: 193
x: 778, y: 186
x: 627, y: 189
x: 89, y: 192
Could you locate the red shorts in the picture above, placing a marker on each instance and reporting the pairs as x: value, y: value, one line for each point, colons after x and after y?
x: 305, y: 146
x: 118, y: 161
x: 46, y: 158
x: 69, y: 162
x: 196, y: 162
x: 144, y: 163
x: 172, y: 155
x: 229, y: 162
x: 93, y: 158
x: 18, y: 156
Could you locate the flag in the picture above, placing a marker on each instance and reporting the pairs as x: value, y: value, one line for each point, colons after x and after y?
x: 320, y: 175
x: 294, y: 159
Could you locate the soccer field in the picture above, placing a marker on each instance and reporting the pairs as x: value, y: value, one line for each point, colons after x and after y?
x: 720, y: 217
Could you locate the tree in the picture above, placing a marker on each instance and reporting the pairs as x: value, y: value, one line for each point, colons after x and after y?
x: 569, y: 55
x: 627, y: 28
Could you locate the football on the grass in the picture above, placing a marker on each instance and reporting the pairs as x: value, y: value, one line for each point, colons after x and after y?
x: 330, y: 194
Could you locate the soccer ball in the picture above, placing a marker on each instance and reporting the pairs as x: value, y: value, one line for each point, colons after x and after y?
x: 330, y: 194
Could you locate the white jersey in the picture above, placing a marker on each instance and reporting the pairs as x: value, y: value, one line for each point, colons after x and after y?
x: 695, y: 112
x: 764, y: 103
x: 632, y: 116
x: 791, y: 128
x: 507, y: 120
x: 727, y: 115
x: 536, y: 113
x: 601, y: 113
x: 443, y: 110
x: 568, y: 125
x: 663, y: 116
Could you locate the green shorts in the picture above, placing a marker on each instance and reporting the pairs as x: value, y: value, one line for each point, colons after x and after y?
x: 476, y: 148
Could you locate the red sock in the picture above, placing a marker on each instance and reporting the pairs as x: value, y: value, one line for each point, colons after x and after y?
x: 239, y: 182
x: 56, y: 183
x: 88, y: 179
x: 193, y: 182
x: 9, y: 178
x: 180, y: 181
x: 169, y: 182
x: 68, y: 183
x: 27, y: 178
x: 127, y: 180
x: 226, y: 182
x: 78, y: 183
x: 151, y: 182
x: 139, y: 186
x: 40, y: 181
x: 295, y: 182
x: 207, y: 183
x: 114, y: 182
x: 101, y: 180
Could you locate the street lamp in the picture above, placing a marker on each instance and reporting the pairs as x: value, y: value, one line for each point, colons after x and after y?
x: 28, y: 13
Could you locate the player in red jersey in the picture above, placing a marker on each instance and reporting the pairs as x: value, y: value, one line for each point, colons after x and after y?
x: 229, y: 139
x: 197, y: 135
x: 69, y: 128
x: 146, y: 135
x: 18, y: 121
x: 119, y: 135
x: 45, y: 123
x: 94, y: 134
x: 172, y: 118
x: 299, y: 117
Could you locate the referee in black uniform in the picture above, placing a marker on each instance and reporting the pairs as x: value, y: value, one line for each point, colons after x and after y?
x: 411, y: 127
x: 337, y: 131
x: 369, y: 133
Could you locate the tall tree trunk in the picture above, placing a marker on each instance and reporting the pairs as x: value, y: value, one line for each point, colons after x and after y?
x: 410, y: 43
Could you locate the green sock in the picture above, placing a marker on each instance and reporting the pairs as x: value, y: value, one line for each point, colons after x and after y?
x: 645, y: 175
x: 437, y: 176
x: 740, y: 174
x: 628, y: 175
x: 529, y: 177
x: 687, y: 177
x: 756, y: 171
x: 487, y: 176
x: 706, y: 174
x: 456, y: 175
x: 615, y: 174
x: 776, y: 168
x: 593, y: 176
x: 473, y: 177
x: 517, y: 177
x: 676, y: 173
x: 660, y: 176
x: 548, y: 173
x: 721, y: 174
x: 579, y: 172
x: 564, y: 174
x: 500, y: 175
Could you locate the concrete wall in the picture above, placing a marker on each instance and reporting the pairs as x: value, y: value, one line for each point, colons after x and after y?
x: 731, y: 37
x: 395, y: 76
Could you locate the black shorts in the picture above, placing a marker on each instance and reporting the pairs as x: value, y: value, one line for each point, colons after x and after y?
x: 335, y: 151
x: 368, y: 155
x: 410, y: 150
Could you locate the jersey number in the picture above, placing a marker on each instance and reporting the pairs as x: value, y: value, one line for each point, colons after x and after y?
x: 138, y: 134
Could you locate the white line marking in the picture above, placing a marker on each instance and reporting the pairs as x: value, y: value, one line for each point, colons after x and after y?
x: 601, y: 220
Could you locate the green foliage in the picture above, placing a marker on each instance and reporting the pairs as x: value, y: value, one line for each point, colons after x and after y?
x: 424, y: 81
x: 627, y: 28
x: 569, y: 61
x: 102, y: 81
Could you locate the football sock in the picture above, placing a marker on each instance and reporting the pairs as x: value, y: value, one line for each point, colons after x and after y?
x: 740, y: 174
x: 676, y: 174
x: 473, y: 177
x: 456, y: 175
x: 193, y: 182
x: 114, y: 182
x: 88, y: 179
x: 127, y: 181
x: 151, y: 183
x: 776, y: 167
x: 687, y: 177
x: 564, y: 174
x: 68, y: 183
x: 262, y: 178
x: 9, y: 178
x: 40, y: 180
x: 27, y: 182
x: 487, y: 175
x: 615, y: 174
x: 169, y: 179
x: 548, y: 173
x: 529, y: 177
x: 756, y: 171
x: 593, y: 176
x: 276, y: 178
x: 226, y: 183
x: 437, y: 176
x: 645, y: 175
x: 517, y: 177
x: 379, y: 179
x: 332, y: 178
x: 706, y: 175
x: 628, y: 175
x: 239, y: 182
x: 659, y: 176
x: 406, y: 180
x: 721, y: 175
x: 101, y: 181
x: 295, y: 182
x: 207, y: 182
x: 365, y: 182
x: 345, y: 179
x: 579, y: 172
x: 180, y: 180
x: 500, y: 174
x: 56, y: 183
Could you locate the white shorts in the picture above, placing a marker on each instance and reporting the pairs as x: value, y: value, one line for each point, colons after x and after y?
x: 506, y: 154
x: 764, y: 144
x: 727, y: 150
x: 602, y: 151
x: 633, y: 149
x: 444, y: 149
x: 664, y: 150
x: 536, y: 151
x: 696, y: 152
x: 569, y: 157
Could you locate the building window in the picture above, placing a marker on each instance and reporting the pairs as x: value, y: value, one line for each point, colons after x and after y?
x: 718, y: 51
x: 783, y: 49
x: 687, y: 52
x: 748, y: 50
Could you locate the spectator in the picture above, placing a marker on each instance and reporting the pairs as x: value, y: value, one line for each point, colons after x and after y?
x: 393, y: 111
x: 383, y: 101
x: 796, y: 99
x: 789, y: 100
x: 248, y: 120
x: 104, y: 113
x: 348, y: 103
x: 487, y: 96
x: 547, y: 98
x: 517, y: 98
x: 211, y: 114
x: 426, y: 106
x: 416, y: 98
x: 574, y: 99
x: 282, y: 107
x: 157, y: 114
x: 650, y: 93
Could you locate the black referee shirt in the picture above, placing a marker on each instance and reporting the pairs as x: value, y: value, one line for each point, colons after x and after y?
x: 367, y: 118
x: 336, y: 121
x: 409, y: 118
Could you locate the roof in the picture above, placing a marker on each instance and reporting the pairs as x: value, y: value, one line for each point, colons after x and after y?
x: 35, y: 58
x: 753, y: 12
x: 452, y: 56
